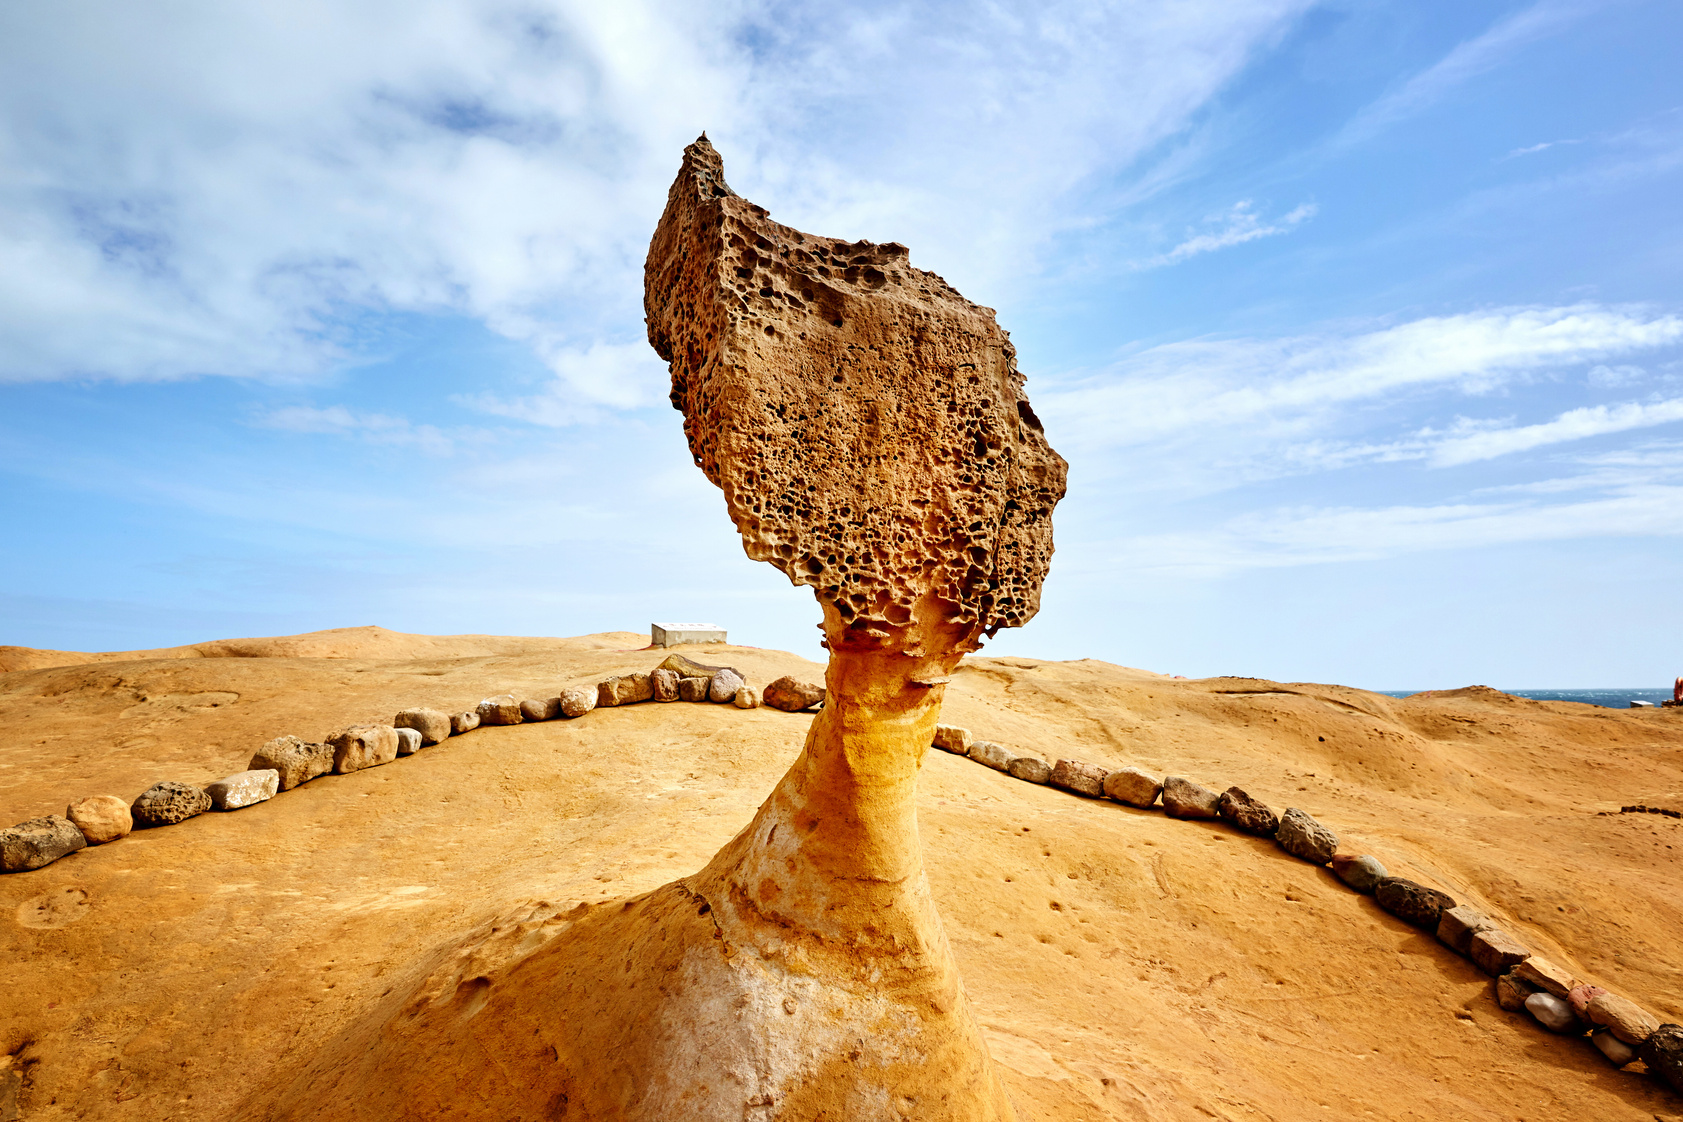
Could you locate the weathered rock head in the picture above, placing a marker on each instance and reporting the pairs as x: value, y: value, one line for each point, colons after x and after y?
x: 866, y: 422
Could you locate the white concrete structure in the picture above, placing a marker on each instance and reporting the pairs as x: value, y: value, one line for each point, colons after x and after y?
x: 671, y: 634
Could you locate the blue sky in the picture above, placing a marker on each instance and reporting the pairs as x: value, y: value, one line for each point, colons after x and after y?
x: 1360, y: 324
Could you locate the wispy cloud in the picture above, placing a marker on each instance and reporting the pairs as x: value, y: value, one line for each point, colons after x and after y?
x: 219, y: 192
x: 375, y: 428
x: 1202, y: 385
x: 1465, y: 62
x: 1238, y: 225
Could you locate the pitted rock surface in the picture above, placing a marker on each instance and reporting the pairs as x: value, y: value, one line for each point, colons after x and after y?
x: 1251, y: 815
x: 165, y: 804
x: 294, y: 760
x: 866, y: 423
x: 1413, y: 903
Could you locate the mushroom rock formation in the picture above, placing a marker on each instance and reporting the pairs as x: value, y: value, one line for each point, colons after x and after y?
x: 868, y: 428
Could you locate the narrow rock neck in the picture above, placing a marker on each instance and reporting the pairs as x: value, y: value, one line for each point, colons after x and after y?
x: 832, y: 868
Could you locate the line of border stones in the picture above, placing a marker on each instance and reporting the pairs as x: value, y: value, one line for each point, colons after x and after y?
x: 287, y: 762
x: 1621, y: 1030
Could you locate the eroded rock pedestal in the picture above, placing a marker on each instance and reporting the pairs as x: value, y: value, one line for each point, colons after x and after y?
x: 868, y: 428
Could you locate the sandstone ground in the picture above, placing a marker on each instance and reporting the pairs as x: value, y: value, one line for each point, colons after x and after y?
x: 1125, y: 966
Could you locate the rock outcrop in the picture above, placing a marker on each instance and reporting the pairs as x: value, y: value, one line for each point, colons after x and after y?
x: 868, y: 428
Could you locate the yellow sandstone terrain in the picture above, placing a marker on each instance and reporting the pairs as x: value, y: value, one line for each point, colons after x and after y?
x: 1122, y: 965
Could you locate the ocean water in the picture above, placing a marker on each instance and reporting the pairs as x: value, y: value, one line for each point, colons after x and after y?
x: 1607, y: 699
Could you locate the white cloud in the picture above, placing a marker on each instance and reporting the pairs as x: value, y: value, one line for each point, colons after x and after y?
x: 1287, y: 385
x: 225, y: 188
x: 1239, y: 225
x: 1325, y: 535
x: 375, y: 428
x: 1614, y: 377
x: 1575, y: 424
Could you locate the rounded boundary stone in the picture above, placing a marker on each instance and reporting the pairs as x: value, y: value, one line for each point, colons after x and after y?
x: 101, y: 818
x: 996, y: 756
x: 248, y: 788
x: 1079, y: 777
x: 1133, y: 787
x: 1411, y: 902
x: 167, y: 803
x: 1030, y: 769
x: 1246, y: 814
x: 577, y: 701
x: 463, y: 722
x: 433, y: 724
x: 409, y: 741
x: 1302, y: 836
x: 1189, y: 801
x: 36, y: 843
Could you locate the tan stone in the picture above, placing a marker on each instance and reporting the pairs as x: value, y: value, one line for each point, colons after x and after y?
x: 500, y: 710
x: 1030, y: 769
x: 792, y: 695
x: 101, y: 818
x: 464, y: 722
x: 1183, y: 798
x: 433, y: 725
x: 688, y: 667
x: 540, y: 708
x: 996, y: 756
x: 953, y: 739
x: 294, y: 760
x: 1539, y: 973
x: 1512, y: 993
x: 1495, y: 952
x: 1078, y: 776
x: 577, y: 702
x: 1624, y: 1018
x: 693, y: 689
x: 363, y: 746
x: 746, y: 698
x: 663, y: 684
x: 625, y: 689
x: 1458, y: 925
x: 1132, y: 786
x: 245, y: 788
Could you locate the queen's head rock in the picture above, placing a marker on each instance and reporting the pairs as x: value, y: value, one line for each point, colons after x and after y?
x: 866, y: 423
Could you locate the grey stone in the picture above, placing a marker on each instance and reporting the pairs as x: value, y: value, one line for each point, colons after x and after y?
x: 1412, y: 903
x: 1551, y: 1012
x: 433, y: 725
x: 1132, y: 786
x: 1183, y: 798
x: 577, y: 702
x: 499, y: 710
x: 101, y: 818
x: 724, y: 686
x: 1303, y: 837
x: 1511, y: 992
x: 693, y: 689
x: 1082, y: 778
x: 540, y: 709
x: 1495, y: 952
x: 1361, y: 873
x: 625, y: 689
x: 363, y: 746
x: 1663, y: 1053
x: 1031, y: 769
x: 1245, y: 813
x: 464, y: 722
x: 1617, y: 1051
x: 165, y: 804
x: 296, y: 761
x: 37, y: 842
x: 791, y: 695
x: 996, y: 756
x: 409, y: 741
x: 1458, y: 925
x: 663, y: 684
x: 951, y: 738
x: 246, y: 788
